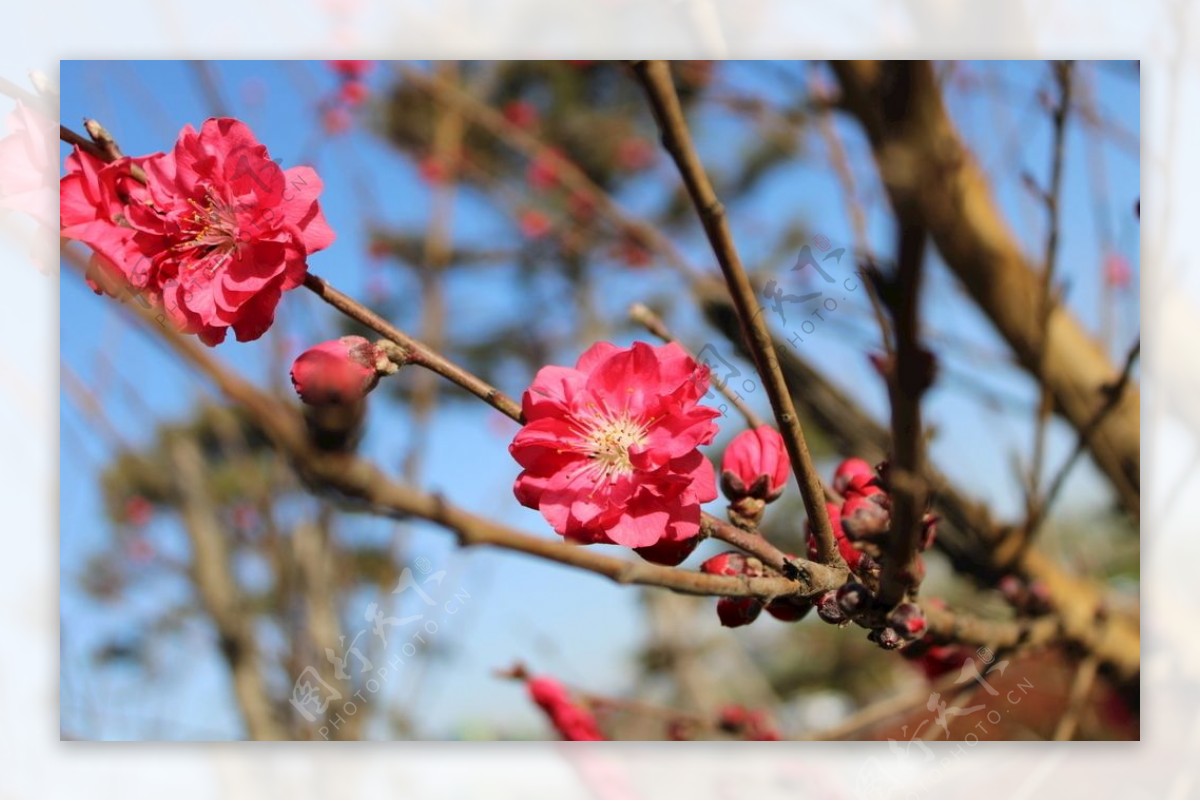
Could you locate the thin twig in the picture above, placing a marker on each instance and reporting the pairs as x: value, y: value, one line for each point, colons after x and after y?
x: 641, y: 314
x: 858, y: 219
x: 1051, y: 198
x: 655, y: 78
x: 413, y: 352
x: 752, y: 542
x: 1112, y: 396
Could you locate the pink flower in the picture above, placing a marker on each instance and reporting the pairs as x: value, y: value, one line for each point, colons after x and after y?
x: 336, y: 372
x: 571, y: 721
x: 27, y: 164
x: 755, y: 464
x: 610, y: 447
x: 216, y: 235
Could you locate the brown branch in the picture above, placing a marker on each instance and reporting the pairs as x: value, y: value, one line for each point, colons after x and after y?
x: 655, y: 78
x: 361, y: 481
x: 1081, y: 687
x: 910, y: 376
x: 926, y: 167
x: 411, y: 350
x: 752, y: 542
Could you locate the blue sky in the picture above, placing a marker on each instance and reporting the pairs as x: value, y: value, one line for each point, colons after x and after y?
x: 577, y: 627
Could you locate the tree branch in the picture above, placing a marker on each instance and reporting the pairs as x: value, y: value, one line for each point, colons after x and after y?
x: 910, y: 376
x: 656, y: 81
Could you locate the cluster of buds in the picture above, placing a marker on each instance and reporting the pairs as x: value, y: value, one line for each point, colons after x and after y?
x: 861, y: 526
x: 734, y: 612
x: 333, y: 380
x: 863, y: 522
x: 754, y: 471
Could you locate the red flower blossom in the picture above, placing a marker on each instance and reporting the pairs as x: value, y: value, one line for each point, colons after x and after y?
x: 569, y: 719
x: 93, y: 198
x: 338, y: 371
x: 350, y: 69
x: 336, y: 120
x: 749, y: 724
x: 543, y: 171
x: 756, y: 464
x: 610, y: 447
x: 216, y: 235
x: 521, y: 113
x: 353, y: 92
x: 138, y: 511
x: 432, y: 169
x: 534, y: 224
x: 1117, y: 273
x: 634, y: 154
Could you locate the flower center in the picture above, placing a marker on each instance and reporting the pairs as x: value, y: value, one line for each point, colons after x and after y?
x: 213, y: 228
x: 608, y: 443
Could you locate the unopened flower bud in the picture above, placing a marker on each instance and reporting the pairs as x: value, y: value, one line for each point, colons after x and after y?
x: 864, y: 519
x: 828, y: 608
x: 755, y: 465
x: 789, y: 610
x: 853, y: 598
x: 928, y: 531
x: 734, y: 612
x: 886, y: 638
x: 847, y: 470
x: 908, y: 620
x: 732, y: 563
x: 340, y: 371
